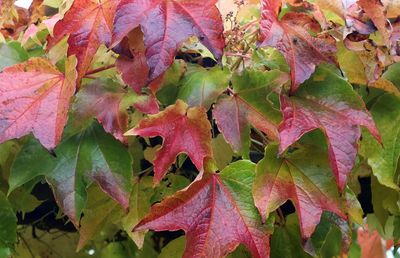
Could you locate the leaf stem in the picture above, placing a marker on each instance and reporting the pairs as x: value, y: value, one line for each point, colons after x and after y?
x: 281, y: 216
x: 100, y: 69
x: 145, y: 171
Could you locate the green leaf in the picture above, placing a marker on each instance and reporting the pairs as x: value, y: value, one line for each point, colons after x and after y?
x: 139, y: 206
x: 222, y: 151
x: 396, y: 230
x: 271, y: 58
x: 392, y: 74
x: 32, y: 161
x: 285, y: 241
x: 353, y: 206
x: 169, y: 186
x: 99, y: 211
x: 256, y: 91
x: 327, y: 238
x: 22, y: 200
x: 201, y: 87
x: 91, y: 155
x: 384, y: 159
x: 8, y: 224
x: 174, y: 249
x: 384, y: 201
x: 168, y: 87
x: 12, y: 53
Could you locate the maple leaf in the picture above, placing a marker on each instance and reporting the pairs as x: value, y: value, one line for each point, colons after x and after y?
x: 384, y: 159
x: 309, y: 185
x: 201, y: 87
x: 249, y: 105
x: 327, y: 102
x: 290, y: 36
x: 88, y: 156
x: 35, y: 98
x: 88, y: 24
x: 108, y: 102
x: 164, y: 31
x: 217, y: 213
x: 183, y: 130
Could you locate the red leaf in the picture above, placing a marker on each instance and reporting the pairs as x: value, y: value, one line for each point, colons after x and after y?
x: 183, y: 130
x: 131, y: 63
x: 35, y: 98
x: 290, y: 36
x: 217, y: 214
x: 166, y: 24
x: 88, y: 24
x: 134, y: 71
x: 335, y: 109
x: 147, y: 104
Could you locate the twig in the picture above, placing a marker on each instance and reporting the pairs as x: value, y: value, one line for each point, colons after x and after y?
x: 257, y: 142
x: 27, y: 246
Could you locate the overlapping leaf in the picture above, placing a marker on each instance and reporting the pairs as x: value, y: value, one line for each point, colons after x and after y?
x: 309, y: 185
x: 89, y: 24
x: 108, y: 102
x: 167, y: 24
x: 376, y: 12
x: 91, y: 155
x: 329, y: 103
x: 35, y: 98
x: 249, y: 105
x: 289, y: 35
x: 201, y: 87
x: 184, y: 130
x: 217, y: 213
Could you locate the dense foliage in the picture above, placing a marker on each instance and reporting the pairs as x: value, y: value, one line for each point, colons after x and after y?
x: 199, y: 128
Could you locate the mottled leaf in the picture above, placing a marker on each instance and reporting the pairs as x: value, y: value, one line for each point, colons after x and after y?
x: 289, y: 35
x: 88, y: 24
x: 309, y: 185
x: 217, y: 213
x: 376, y: 12
x: 108, y: 101
x: 164, y: 31
x: 247, y: 106
x: 329, y: 103
x: 35, y: 98
x: 91, y: 155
